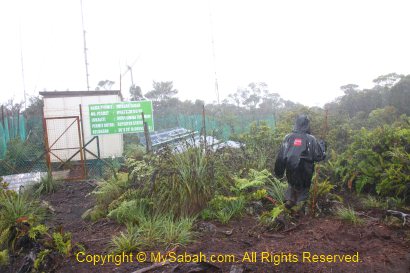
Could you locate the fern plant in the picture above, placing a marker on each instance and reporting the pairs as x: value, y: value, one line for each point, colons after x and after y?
x: 224, y: 208
x: 4, y: 257
x: 62, y: 242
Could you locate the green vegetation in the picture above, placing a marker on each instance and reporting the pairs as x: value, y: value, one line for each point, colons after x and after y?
x: 156, y: 231
x: 348, y: 214
x: 224, y: 208
x: 126, y: 241
x: 260, y: 184
x: 21, y: 227
x: 40, y: 258
x: 47, y: 185
x: 132, y: 211
x: 269, y: 219
x: 15, y: 211
x: 376, y: 161
x: 4, y: 257
x: 370, y: 202
x: 157, y: 197
x: 190, y: 185
x: 62, y: 242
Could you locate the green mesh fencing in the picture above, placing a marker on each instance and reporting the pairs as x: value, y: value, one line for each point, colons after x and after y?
x: 14, y: 127
x: 3, y: 143
x: 222, y: 129
x: 6, y: 131
x: 20, y: 151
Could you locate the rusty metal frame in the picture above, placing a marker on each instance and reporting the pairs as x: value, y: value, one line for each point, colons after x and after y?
x: 49, y: 149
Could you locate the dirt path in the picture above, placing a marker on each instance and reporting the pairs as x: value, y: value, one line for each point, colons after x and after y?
x: 69, y: 203
x: 380, y: 248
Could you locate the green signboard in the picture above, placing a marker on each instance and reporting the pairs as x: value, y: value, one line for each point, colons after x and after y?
x: 120, y: 118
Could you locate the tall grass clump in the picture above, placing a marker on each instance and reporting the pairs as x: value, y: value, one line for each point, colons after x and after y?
x: 176, y: 232
x: 47, y: 185
x: 370, y: 202
x: 154, y: 231
x: 15, y: 210
x: 14, y: 206
x: 348, y: 214
x: 189, y: 185
x: 126, y: 241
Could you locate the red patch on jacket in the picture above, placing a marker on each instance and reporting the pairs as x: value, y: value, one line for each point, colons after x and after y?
x: 297, y: 142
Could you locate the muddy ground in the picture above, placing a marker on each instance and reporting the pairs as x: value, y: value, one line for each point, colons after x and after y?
x: 381, y: 248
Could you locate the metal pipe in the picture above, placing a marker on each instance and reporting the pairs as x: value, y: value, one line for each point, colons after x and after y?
x: 47, y: 149
x: 83, y: 138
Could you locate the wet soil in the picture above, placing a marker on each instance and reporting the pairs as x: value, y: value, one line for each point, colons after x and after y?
x: 381, y: 248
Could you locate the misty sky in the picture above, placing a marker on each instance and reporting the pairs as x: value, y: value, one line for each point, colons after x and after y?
x: 303, y: 50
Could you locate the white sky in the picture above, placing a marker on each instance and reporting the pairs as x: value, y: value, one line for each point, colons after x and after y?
x: 304, y: 50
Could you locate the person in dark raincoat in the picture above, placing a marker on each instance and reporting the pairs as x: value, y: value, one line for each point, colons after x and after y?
x: 297, y: 155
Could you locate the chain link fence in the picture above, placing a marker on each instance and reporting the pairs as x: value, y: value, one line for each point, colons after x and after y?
x: 22, y: 147
x: 215, y: 126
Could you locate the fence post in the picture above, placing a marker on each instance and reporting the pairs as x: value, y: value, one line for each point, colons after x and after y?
x: 146, y: 134
x: 2, y: 115
x: 47, y: 151
x: 18, y: 123
x: 83, y: 139
x: 81, y: 147
x: 204, y: 125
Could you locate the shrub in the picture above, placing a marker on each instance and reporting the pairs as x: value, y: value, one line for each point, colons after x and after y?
x: 372, y: 202
x: 177, y: 232
x: 105, y: 193
x: 18, y: 206
x: 37, y: 231
x: 19, y: 156
x: 47, y: 185
x: 260, y: 180
x: 260, y: 146
x: 224, y: 208
x: 134, y: 151
x: 185, y: 183
x: 377, y: 161
x: 126, y: 241
x: 131, y: 211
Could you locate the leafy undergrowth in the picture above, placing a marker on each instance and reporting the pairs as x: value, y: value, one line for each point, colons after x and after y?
x: 23, y: 233
x: 161, y: 196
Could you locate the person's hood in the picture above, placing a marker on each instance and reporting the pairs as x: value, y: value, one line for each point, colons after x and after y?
x: 302, y: 125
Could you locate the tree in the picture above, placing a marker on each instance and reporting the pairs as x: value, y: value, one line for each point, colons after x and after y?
x: 136, y: 93
x: 400, y: 95
x: 35, y: 107
x: 253, y: 94
x: 235, y: 98
x: 104, y: 85
x: 162, y: 91
x: 387, y: 80
x: 271, y: 102
x: 349, y: 88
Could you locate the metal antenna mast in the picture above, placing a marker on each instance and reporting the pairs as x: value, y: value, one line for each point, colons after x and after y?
x: 85, y: 48
x: 22, y: 67
x: 213, y: 52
